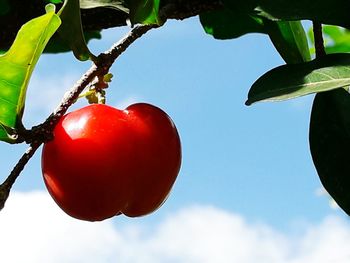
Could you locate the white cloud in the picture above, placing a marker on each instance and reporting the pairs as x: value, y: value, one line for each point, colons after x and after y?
x: 34, y: 230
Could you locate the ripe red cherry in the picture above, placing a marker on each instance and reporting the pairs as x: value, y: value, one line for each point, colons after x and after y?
x: 104, y: 161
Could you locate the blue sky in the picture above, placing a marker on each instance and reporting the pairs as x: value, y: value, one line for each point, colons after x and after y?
x: 247, y: 166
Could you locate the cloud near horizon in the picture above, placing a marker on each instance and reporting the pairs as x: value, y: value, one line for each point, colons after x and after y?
x: 34, y: 230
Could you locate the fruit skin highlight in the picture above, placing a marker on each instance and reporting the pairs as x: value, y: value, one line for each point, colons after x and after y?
x: 104, y: 161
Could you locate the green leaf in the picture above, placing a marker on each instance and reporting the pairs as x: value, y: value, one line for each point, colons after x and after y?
x: 289, y: 39
x: 54, y: 1
x: 323, y: 11
x: 335, y: 12
x: 338, y: 39
x: 71, y: 30
x: 330, y: 143
x: 144, y: 11
x: 5, y: 7
x: 228, y: 24
x: 16, y: 67
x: 58, y: 45
x: 113, y: 4
x: 295, y: 80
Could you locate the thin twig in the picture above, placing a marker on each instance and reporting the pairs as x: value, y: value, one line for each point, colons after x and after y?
x: 6, y: 186
x: 108, y: 57
x: 43, y: 132
x: 318, y: 39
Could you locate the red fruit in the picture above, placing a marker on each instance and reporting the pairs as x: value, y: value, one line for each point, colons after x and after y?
x: 104, y: 161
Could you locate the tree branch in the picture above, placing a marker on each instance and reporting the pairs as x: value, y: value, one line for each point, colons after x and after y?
x: 43, y: 132
x: 177, y: 9
x: 6, y: 186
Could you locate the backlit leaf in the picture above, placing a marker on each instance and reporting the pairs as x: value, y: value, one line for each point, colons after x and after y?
x: 336, y: 39
x: 16, y: 67
x: 144, y: 11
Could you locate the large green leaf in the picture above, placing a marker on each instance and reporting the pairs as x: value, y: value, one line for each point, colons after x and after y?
x: 295, y: 80
x: 144, y: 11
x: 71, y: 30
x: 16, y: 67
x: 113, y: 4
x: 330, y: 143
x: 228, y: 24
x: 289, y: 39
